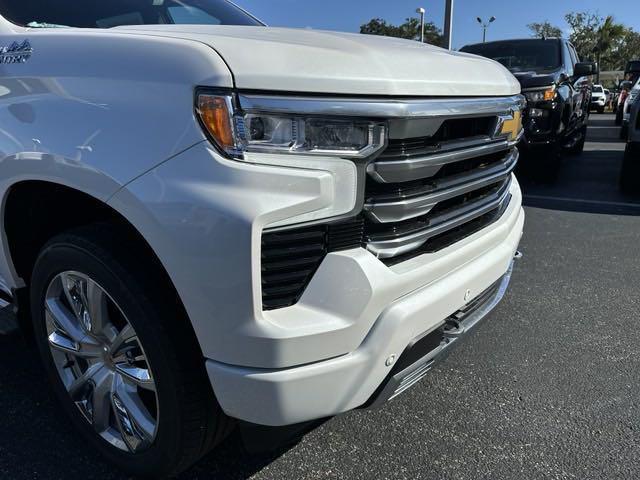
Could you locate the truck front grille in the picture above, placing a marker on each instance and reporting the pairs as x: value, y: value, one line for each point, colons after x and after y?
x: 410, y: 203
x: 422, y: 194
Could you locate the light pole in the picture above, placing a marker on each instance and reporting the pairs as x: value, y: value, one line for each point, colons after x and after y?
x: 421, y: 11
x: 485, y: 26
x: 448, y: 24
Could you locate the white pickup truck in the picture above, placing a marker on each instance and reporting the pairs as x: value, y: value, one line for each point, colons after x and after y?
x: 205, y: 219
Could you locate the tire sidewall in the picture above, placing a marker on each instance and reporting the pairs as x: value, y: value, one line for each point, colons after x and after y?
x: 69, y: 255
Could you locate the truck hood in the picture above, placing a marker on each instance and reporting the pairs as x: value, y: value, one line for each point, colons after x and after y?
x: 533, y: 79
x: 296, y: 60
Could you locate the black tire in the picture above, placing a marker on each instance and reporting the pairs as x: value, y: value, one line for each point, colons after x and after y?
x: 578, y: 148
x: 624, y: 132
x: 191, y: 423
x: 630, y: 173
x: 619, y: 115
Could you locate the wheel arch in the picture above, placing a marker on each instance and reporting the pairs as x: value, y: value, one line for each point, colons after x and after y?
x: 31, y: 216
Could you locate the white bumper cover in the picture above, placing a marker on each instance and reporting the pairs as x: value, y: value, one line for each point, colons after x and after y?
x: 293, y: 395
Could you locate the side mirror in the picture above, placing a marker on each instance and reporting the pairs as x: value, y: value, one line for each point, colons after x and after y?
x: 584, y: 69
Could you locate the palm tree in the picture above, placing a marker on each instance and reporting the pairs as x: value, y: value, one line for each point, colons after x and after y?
x: 608, y: 33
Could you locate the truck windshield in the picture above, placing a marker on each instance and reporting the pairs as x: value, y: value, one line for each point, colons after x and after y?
x: 114, y: 13
x: 521, y: 55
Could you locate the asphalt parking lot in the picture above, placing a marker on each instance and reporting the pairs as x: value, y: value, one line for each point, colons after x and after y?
x: 547, y: 389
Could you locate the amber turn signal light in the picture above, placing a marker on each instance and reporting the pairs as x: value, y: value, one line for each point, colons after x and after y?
x: 216, y: 118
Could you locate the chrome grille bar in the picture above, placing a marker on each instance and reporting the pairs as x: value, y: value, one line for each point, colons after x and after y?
x: 407, y: 208
x: 428, y: 166
x: 398, y: 245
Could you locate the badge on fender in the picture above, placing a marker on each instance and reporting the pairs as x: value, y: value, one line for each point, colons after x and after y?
x: 16, y: 53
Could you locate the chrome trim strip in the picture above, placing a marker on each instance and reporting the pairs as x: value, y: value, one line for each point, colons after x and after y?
x: 380, y: 108
x: 385, y: 212
x: 394, y: 171
x: 400, y: 245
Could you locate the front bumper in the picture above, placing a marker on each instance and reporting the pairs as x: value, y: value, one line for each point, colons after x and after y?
x: 287, y: 396
x: 327, y: 354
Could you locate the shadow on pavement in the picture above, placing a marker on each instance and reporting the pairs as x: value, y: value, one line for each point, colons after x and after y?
x: 589, y: 182
x: 37, y: 442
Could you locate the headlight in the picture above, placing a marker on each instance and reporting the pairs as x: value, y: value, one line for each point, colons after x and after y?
x: 542, y: 95
x: 238, y: 132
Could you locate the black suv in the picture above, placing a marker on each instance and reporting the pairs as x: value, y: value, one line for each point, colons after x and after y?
x: 557, y: 88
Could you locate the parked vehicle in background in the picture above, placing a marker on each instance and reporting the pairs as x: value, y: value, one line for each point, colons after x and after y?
x: 206, y: 219
x: 632, y: 71
x: 598, y: 99
x: 630, y: 174
x: 626, y: 110
x: 625, y: 88
x: 608, y: 97
x: 557, y: 89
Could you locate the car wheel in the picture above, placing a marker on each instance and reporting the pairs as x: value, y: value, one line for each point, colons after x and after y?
x: 630, y: 173
x: 624, y: 132
x: 619, y: 116
x: 120, y: 355
x: 578, y: 148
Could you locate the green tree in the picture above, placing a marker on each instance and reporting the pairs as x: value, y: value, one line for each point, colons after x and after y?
x: 609, y: 34
x: 584, y: 27
x: 625, y: 48
x: 409, y: 30
x: 545, y: 30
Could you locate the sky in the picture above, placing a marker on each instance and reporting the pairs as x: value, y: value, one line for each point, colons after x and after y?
x: 512, y: 16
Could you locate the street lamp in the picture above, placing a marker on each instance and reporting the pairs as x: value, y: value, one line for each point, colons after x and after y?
x: 421, y: 11
x: 485, y: 26
x: 448, y: 25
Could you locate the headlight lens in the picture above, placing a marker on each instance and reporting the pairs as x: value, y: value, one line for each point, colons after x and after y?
x: 238, y: 132
x: 543, y: 95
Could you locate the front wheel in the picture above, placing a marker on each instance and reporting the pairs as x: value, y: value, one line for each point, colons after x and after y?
x: 578, y: 147
x: 122, y: 363
x: 624, y: 132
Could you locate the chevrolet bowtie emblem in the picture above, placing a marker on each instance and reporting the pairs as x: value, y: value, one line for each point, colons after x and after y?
x: 16, y: 53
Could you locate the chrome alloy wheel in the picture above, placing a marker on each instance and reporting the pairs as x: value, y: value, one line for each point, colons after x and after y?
x: 101, y: 362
